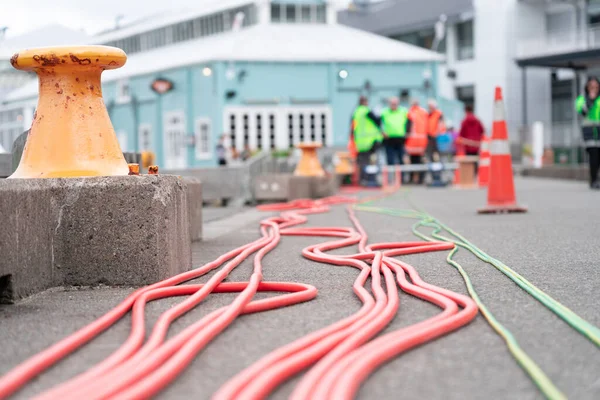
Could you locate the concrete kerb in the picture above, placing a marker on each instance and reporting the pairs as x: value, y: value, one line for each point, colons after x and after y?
x: 117, y: 231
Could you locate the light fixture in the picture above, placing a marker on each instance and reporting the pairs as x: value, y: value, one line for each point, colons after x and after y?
x: 343, y: 74
x: 207, y: 71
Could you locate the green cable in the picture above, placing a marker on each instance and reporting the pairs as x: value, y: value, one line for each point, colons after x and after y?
x: 531, y: 368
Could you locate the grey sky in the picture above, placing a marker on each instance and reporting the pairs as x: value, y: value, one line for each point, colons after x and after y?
x: 91, y: 16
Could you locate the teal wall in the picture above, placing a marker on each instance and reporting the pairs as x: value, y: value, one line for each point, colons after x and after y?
x: 204, y: 96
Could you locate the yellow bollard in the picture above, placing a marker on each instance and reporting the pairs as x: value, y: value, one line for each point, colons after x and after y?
x: 71, y: 134
x: 309, y: 164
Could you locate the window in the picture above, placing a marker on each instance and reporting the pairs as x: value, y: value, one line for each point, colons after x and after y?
x: 324, y: 129
x: 305, y: 13
x: 291, y: 130
x: 259, y: 136
x: 290, y: 13
x: 272, y: 130
x: 466, y: 94
x: 313, y: 135
x: 276, y: 12
x: 246, y: 130
x: 321, y: 14
x: 145, y: 137
x: 232, y: 130
x: 123, y: 94
x: 203, y: 139
x: 465, y: 46
x: 562, y: 101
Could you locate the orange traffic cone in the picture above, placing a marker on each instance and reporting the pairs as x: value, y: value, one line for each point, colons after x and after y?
x: 460, y: 153
x: 71, y: 134
x: 483, y: 173
x: 501, y: 190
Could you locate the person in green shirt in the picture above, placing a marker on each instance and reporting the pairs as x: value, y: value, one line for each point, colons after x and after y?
x: 394, y: 126
x: 588, y: 106
x: 367, y: 137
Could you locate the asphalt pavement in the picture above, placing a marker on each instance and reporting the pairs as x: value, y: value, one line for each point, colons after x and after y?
x: 555, y: 245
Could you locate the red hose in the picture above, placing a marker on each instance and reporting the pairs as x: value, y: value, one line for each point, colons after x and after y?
x: 341, y: 356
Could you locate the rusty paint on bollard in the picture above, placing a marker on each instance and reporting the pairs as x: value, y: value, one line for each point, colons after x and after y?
x: 134, y: 169
x: 153, y: 170
x: 71, y: 134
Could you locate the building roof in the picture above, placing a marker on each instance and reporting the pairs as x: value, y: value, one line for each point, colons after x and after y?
x: 168, y: 18
x: 268, y: 43
x: 51, y: 35
x: 578, y: 60
x: 400, y: 16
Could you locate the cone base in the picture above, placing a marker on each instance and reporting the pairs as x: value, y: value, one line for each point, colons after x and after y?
x: 502, y: 209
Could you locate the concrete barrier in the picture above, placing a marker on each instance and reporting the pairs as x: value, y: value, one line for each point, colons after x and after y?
x: 577, y: 172
x: 285, y: 187
x: 217, y: 183
x: 86, y: 231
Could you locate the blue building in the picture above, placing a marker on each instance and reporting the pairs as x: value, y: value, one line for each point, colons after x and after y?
x: 267, y: 74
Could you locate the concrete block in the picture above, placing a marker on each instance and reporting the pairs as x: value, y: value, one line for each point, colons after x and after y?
x: 325, y: 186
x: 5, y: 165
x: 130, y: 230
x: 194, y: 200
x: 300, y: 187
x: 272, y: 186
x: 217, y: 183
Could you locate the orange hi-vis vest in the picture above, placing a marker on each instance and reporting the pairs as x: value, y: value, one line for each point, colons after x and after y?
x: 416, y: 142
x: 433, y: 123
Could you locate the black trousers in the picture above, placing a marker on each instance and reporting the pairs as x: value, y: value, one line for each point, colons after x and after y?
x: 594, y: 155
x: 432, y: 147
x: 415, y: 160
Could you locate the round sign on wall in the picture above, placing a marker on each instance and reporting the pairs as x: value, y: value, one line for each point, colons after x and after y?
x: 161, y: 85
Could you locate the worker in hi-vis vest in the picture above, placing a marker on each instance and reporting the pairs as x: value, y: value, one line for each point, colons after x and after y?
x: 367, y: 136
x: 435, y: 125
x: 588, y: 106
x: 416, y: 143
x: 395, y: 124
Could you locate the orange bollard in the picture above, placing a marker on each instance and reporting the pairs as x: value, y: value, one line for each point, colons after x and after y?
x: 501, y: 190
x: 344, y: 165
x: 483, y: 173
x: 309, y: 164
x: 71, y: 134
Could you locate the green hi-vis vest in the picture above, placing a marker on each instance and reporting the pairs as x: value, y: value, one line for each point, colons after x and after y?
x: 394, y: 122
x: 593, y: 113
x: 366, y: 132
x: 591, y: 123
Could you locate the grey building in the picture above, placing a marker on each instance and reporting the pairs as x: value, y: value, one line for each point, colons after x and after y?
x: 538, y: 51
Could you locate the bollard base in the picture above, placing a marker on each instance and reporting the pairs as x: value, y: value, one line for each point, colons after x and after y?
x: 121, y: 231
